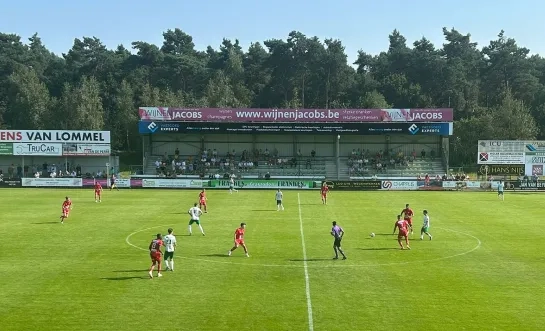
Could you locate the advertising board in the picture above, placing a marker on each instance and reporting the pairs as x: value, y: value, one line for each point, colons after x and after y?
x: 171, y: 183
x: 9, y: 182
x: 221, y: 115
x: 37, y: 149
x: 502, y: 169
x: 419, y: 129
x: 52, y: 182
x: 399, y: 185
x: 86, y: 150
x: 54, y: 136
x: 356, y: 185
x: 263, y: 184
x: 500, y: 158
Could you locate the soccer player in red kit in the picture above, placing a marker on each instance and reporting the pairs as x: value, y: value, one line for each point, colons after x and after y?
x: 239, y: 240
x: 324, y: 191
x: 155, y: 255
x: 98, y: 192
x: 408, y: 216
x: 66, y: 206
x: 402, y: 225
x: 202, y: 201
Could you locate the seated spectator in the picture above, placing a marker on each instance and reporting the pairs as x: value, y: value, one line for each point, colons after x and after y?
x: 266, y: 153
x: 37, y: 175
x: 176, y: 154
x: 444, y: 178
x: 423, y: 154
x: 53, y: 175
x: 313, y: 154
x: 308, y: 165
x: 432, y: 154
x: 267, y: 176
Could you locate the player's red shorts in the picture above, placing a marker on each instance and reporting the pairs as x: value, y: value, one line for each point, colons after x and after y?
x: 155, y: 257
x: 97, y: 192
x: 202, y: 202
x: 402, y: 234
x: 65, y: 212
x: 239, y: 242
x: 324, y: 195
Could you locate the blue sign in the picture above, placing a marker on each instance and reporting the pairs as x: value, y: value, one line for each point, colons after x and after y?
x: 383, y: 128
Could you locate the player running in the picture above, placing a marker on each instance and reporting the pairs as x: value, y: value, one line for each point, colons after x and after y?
x: 239, y: 240
x: 402, y: 225
x: 170, y: 247
x: 338, y: 233
x: 279, y: 196
x: 66, y: 207
x: 408, y: 216
x: 202, y: 200
x: 195, y: 213
x: 501, y: 187
x: 425, y: 226
x: 112, y: 183
x: 324, y: 191
x: 98, y: 192
x: 155, y: 254
x: 232, y: 185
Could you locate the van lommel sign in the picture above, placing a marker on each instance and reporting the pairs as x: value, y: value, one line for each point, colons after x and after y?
x: 54, y: 136
x: 220, y: 115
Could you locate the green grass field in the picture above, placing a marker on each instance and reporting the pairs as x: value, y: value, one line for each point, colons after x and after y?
x: 484, y: 269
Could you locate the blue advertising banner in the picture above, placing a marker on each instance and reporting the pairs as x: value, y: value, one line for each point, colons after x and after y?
x: 430, y: 129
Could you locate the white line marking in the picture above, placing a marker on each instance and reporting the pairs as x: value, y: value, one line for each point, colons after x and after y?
x: 305, y: 266
x: 318, y: 266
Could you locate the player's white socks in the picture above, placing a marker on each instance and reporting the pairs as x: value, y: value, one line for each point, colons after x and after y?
x: 172, y: 265
x: 166, y: 263
x: 200, y: 228
x: 190, y: 231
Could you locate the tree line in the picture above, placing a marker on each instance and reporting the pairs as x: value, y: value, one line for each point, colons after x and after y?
x: 497, y: 91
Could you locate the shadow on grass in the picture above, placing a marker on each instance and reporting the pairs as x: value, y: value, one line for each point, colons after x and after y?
x: 309, y: 260
x: 142, y: 270
x: 125, y: 278
x: 215, y: 255
x: 42, y: 223
x: 379, y: 249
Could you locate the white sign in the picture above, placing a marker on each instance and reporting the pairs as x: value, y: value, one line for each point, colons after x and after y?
x: 511, y: 146
x: 504, y: 146
x: 500, y: 158
x: 54, y: 136
x: 37, y: 149
x: 172, y: 183
x: 461, y: 184
x: 86, y: 149
x: 123, y: 183
x: 52, y: 182
x: 399, y: 185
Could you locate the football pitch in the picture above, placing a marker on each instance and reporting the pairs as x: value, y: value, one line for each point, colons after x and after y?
x: 483, y: 270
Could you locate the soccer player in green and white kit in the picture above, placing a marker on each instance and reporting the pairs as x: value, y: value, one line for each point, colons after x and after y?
x: 500, y: 190
x: 170, y: 247
x: 279, y: 196
x: 195, y: 213
x: 425, y: 226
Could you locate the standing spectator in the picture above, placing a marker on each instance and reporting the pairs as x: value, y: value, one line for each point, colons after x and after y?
x: 11, y: 170
x: 176, y: 154
x: 19, y: 171
x: 432, y: 154
x: 423, y: 154
x: 313, y: 153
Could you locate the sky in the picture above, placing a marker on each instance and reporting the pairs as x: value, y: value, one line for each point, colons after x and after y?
x: 360, y: 25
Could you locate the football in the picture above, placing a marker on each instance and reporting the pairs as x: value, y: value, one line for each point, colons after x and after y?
x: 372, y: 234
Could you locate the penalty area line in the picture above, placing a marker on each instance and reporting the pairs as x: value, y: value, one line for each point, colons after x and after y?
x: 305, y: 267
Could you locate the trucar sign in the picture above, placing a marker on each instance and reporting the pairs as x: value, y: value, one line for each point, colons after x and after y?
x: 54, y: 136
